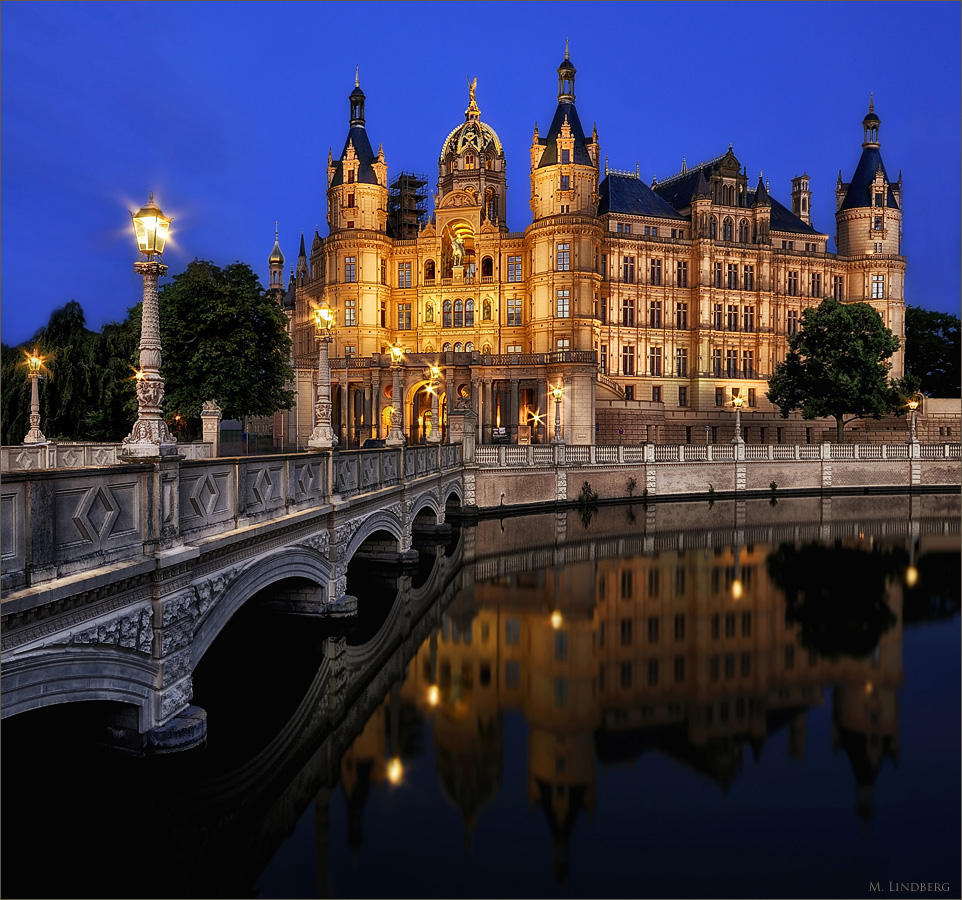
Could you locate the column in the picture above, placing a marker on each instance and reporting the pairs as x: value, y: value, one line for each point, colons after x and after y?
x: 375, y: 407
x: 513, y: 410
x: 487, y: 408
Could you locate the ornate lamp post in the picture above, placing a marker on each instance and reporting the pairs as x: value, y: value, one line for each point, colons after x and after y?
x: 435, y: 436
x: 395, y: 437
x: 34, y: 365
x: 322, y: 437
x: 737, y: 403
x: 557, y: 393
x: 150, y: 436
x: 913, y: 405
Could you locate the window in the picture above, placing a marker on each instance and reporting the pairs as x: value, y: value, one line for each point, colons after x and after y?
x: 654, y: 314
x: 561, y: 691
x: 565, y: 157
x: 514, y: 310
x: 746, y: 624
x: 878, y: 198
x: 877, y: 247
x: 404, y: 316
x: 469, y: 161
x: 727, y: 230
x: 715, y: 619
x: 429, y: 270
x: 656, y: 394
x: 350, y: 312
x: 512, y: 674
x: 652, y: 672
x: 876, y: 223
x: 732, y: 317
x: 627, y: 228
x: 511, y: 348
x: 679, y: 669
x: 565, y: 183
x: 564, y: 257
x: 679, y: 617
x: 626, y: 585
x: 718, y: 275
x: 793, y: 321
x: 655, y: 271
x: 383, y: 314
x: 743, y: 231
x: 628, y: 311
x: 653, y: 624
x: 838, y: 287
x: 681, y: 363
x: 716, y: 317
x: 681, y: 316
x: 626, y: 632
x: 628, y: 359
x: 749, y: 279
x: 716, y: 357
x: 383, y: 271
x: 404, y: 275
x: 731, y: 363
x: 561, y: 645
x: 629, y: 392
x: 603, y: 359
x: 350, y: 269
x: 469, y: 314
x: 753, y: 401
x: 729, y: 625
x: 793, y: 284
x: 459, y: 314
x: 512, y: 631
x: 712, y: 228
x: 563, y: 344
x: 350, y: 176
x: 563, y: 298
x: 446, y: 314
x: 683, y: 398
x: 878, y: 287
x: 732, y: 277
x: 514, y: 268
x: 748, y: 364
x: 654, y: 360
x: 654, y: 231
x: 604, y: 266
x: 626, y: 675
x: 628, y: 269
x: 681, y: 274
x: 748, y: 318
x: 350, y: 201
x: 816, y: 284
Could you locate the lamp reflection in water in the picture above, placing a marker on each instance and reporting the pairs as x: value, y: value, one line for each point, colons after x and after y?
x: 395, y: 770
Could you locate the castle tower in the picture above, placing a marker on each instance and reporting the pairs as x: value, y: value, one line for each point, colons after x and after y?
x: 868, y: 232
x: 302, y: 269
x: 275, y: 263
x: 802, y: 198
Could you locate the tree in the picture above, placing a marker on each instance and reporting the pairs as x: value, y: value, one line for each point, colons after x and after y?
x: 837, y: 366
x: 932, y: 351
x: 224, y: 339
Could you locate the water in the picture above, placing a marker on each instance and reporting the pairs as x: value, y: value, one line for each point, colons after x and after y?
x: 677, y: 700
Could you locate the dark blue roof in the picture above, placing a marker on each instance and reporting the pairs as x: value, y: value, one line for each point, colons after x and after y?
x: 365, y: 156
x: 630, y: 195
x: 550, y: 155
x: 678, y: 190
x: 859, y: 192
x: 783, y: 219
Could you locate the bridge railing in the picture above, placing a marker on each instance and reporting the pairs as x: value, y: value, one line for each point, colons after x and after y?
x: 360, y: 471
x: 80, y: 454
x: 549, y: 455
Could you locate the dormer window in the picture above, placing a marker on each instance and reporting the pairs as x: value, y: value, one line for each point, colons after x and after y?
x: 565, y: 182
x: 350, y: 176
x: 565, y: 157
x: 469, y: 161
x: 878, y: 198
x: 350, y: 200
x: 877, y: 223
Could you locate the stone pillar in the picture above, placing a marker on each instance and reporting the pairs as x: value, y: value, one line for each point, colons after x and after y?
x: 462, y: 428
x: 211, y: 415
x: 345, y: 424
x: 476, y: 404
x: 513, y: 412
x: 542, y: 410
x: 487, y: 408
x: 375, y: 406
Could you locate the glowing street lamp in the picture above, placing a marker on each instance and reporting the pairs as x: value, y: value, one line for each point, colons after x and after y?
x: 34, y: 366
x: 322, y: 437
x: 395, y: 437
x: 913, y: 405
x: 737, y: 403
x: 150, y: 437
x: 557, y: 393
x: 435, y: 435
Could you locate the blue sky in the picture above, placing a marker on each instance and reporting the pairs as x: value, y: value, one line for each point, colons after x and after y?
x: 226, y: 111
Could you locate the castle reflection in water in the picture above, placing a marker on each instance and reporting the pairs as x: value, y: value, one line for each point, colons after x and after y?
x: 699, y: 653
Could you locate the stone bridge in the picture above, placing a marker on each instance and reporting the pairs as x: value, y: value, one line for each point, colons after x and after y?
x: 116, y: 580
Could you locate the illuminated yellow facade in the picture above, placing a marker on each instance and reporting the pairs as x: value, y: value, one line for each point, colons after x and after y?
x: 648, y: 304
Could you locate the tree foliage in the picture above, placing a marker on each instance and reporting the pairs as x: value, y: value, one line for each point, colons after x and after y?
x: 224, y: 339
x: 932, y: 351
x: 837, y: 366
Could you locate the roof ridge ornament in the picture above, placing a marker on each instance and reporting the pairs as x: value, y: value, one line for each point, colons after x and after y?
x: 566, y: 48
x: 357, y: 76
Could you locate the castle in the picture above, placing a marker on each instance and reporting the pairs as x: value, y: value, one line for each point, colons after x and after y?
x: 649, y: 306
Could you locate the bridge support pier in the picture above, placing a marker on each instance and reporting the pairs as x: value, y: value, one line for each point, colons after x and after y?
x: 186, y: 730
x: 312, y: 600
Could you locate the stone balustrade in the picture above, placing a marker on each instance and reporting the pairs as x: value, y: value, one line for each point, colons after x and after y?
x: 78, y: 454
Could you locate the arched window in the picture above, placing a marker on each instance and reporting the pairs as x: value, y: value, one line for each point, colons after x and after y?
x: 429, y: 270
x: 469, y: 161
x: 457, y: 347
x: 727, y: 227
x: 446, y: 348
x: 458, y: 314
x: 743, y: 231
x: 712, y: 228
x: 446, y: 314
x: 469, y: 314
x: 487, y: 266
x: 486, y: 311
x: 469, y: 347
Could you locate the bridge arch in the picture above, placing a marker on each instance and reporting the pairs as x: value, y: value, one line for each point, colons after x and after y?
x: 281, y: 565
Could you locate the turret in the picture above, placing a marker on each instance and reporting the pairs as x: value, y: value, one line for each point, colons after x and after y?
x: 275, y: 263
x: 802, y: 198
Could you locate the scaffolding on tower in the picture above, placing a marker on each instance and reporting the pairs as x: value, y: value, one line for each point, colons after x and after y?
x: 407, y: 205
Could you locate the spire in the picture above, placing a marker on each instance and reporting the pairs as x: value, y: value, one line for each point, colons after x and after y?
x: 870, y: 125
x: 566, y: 79
x: 276, y: 257
x: 684, y: 165
x: 761, y: 193
x: 701, y: 187
x: 302, y: 251
x: 472, y: 112
x: 357, y: 100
